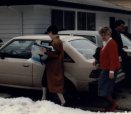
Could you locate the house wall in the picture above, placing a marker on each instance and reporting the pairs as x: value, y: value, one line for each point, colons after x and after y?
x: 102, y: 18
x: 23, y: 20
x: 34, y: 19
x: 9, y: 23
x: 37, y: 20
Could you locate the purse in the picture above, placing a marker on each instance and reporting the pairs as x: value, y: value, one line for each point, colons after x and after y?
x: 120, y: 75
x: 95, y: 73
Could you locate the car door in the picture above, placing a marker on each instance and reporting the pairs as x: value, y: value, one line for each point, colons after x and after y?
x: 78, y: 62
x: 39, y: 67
x: 15, y: 69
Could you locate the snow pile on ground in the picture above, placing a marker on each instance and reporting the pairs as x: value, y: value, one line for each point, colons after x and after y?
x: 23, y: 105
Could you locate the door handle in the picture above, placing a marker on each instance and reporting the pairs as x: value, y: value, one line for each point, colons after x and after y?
x: 25, y: 65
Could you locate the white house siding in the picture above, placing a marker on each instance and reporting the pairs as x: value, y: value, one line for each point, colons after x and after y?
x: 23, y: 20
x: 27, y: 19
x: 9, y: 23
x: 34, y: 19
x: 102, y: 18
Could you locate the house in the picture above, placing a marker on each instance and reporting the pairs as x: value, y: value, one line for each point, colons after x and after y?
x: 23, y: 17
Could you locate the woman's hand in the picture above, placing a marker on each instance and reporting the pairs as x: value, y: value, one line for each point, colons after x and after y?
x: 94, y: 63
x: 111, y: 75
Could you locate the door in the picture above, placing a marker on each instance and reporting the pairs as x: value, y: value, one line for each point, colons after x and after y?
x: 15, y: 72
x: 15, y: 69
x: 112, y: 22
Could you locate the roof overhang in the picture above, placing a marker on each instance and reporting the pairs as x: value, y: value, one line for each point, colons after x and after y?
x: 96, y: 5
x: 121, y: 3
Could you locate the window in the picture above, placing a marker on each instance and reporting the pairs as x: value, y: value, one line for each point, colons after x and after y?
x: 91, y: 38
x: 81, y: 21
x: 63, y: 19
x: 112, y: 22
x: 45, y: 43
x: 91, y: 21
x: 69, y: 20
x: 84, y: 47
x: 86, y: 21
x: 67, y: 58
x: 57, y: 18
x: 18, y: 49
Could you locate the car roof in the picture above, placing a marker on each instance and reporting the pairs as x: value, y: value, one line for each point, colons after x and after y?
x: 46, y: 37
x: 81, y: 32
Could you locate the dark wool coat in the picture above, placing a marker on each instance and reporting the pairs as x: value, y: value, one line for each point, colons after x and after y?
x: 117, y: 37
x: 55, y: 67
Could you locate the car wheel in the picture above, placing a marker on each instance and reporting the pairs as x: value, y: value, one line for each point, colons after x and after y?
x: 69, y: 91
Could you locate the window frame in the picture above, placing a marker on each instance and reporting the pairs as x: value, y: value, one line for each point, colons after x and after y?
x: 13, y: 53
x: 67, y: 58
x: 61, y: 17
x: 88, y: 17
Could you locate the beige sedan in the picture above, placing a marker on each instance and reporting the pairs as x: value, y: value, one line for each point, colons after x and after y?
x: 16, y: 70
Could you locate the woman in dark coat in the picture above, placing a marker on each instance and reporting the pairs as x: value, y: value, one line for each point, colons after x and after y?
x: 54, y: 72
x: 55, y: 67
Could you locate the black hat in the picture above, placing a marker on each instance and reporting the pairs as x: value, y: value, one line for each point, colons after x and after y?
x: 52, y: 29
x: 119, y: 22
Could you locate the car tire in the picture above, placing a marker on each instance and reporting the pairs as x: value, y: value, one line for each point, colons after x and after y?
x: 70, y: 92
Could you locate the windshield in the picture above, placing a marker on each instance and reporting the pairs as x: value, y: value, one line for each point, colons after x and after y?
x: 85, y: 47
x: 125, y: 40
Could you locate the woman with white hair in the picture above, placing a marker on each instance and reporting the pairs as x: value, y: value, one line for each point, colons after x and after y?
x: 109, y: 64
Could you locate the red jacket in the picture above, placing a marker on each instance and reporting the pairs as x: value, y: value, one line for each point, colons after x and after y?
x: 109, y: 58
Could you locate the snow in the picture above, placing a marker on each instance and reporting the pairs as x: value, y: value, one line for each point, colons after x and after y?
x: 22, y: 105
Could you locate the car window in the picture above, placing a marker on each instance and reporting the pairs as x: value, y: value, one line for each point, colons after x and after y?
x: 84, y: 47
x: 45, y: 43
x: 125, y: 40
x: 91, y: 38
x: 18, y: 49
x: 67, y: 58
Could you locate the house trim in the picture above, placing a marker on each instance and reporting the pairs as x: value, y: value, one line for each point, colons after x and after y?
x: 62, y: 4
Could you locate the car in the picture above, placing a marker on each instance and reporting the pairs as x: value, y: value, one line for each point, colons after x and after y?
x: 95, y: 38
x: 17, y: 70
x: 127, y: 44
